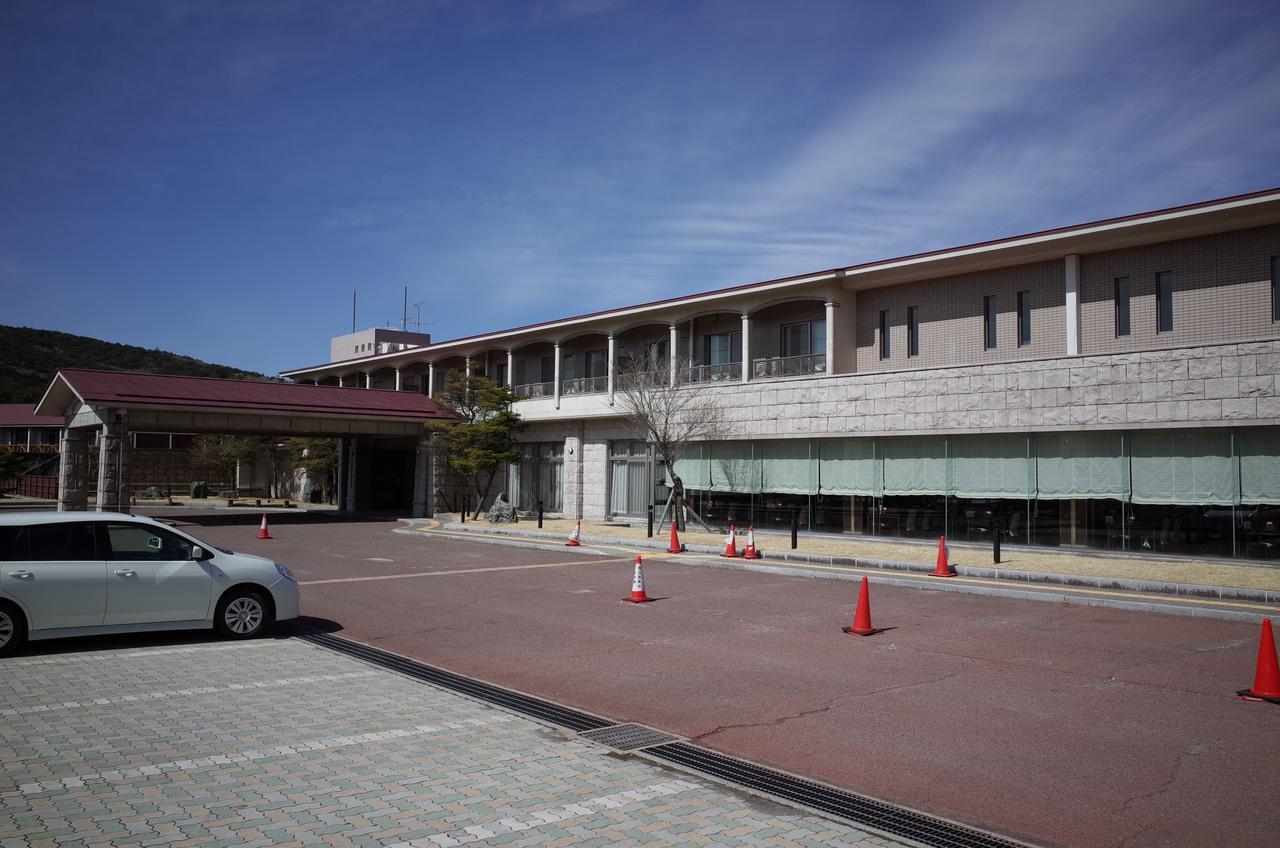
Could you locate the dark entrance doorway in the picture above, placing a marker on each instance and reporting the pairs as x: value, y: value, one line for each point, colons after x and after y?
x: 392, y: 478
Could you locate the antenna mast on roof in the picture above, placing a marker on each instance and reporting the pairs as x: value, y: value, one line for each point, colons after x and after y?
x: 404, y: 320
x: 353, y: 310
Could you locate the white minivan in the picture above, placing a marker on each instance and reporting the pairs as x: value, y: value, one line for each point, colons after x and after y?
x: 86, y: 573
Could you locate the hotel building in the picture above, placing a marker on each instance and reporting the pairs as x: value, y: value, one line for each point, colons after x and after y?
x: 1108, y: 385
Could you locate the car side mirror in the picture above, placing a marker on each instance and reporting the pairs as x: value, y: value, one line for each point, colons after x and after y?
x: 199, y: 553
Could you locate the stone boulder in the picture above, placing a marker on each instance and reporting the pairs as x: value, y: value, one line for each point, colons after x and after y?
x: 501, y: 512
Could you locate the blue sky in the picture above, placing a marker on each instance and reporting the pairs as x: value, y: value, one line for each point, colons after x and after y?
x: 215, y: 178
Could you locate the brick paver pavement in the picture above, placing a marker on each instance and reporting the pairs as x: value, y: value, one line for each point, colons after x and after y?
x: 279, y: 742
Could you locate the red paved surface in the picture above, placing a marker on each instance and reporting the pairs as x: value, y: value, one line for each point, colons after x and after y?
x: 1057, y: 724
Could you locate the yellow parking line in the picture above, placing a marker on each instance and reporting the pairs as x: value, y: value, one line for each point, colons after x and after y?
x: 371, y: 578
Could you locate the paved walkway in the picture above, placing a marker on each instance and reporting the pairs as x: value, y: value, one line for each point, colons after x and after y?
x: 1242, y: 574
x: 278, y: 742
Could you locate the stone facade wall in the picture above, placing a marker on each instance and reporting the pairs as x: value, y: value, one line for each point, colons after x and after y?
x: 572, y: 504
x: 595, y: 477
x: 1218, y: 385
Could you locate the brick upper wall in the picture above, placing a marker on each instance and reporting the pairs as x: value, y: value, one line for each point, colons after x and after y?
x: 951, y: 318
x: 1221, y: 291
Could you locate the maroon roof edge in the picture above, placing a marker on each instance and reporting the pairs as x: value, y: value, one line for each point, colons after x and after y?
x: 131, y: 388
x: 1100, y: 222
x: 24, y: 415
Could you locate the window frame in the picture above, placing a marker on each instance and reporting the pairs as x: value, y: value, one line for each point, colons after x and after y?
x: 885, y: 348
x: 989, y: 321
x: 1123, y: 296
x: 1164, y: 302
x: 913, y: 331
x: 1275, y: 288
x: 1024, y: 318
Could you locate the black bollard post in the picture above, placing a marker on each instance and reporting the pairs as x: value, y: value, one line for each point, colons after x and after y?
x: 795, y: 528
x: 996, y: 529
x: 539, y: 515
x: 649, y: 532
x: 464, y: 509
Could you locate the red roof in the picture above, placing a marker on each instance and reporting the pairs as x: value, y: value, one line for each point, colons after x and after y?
x: 24, y: 415
x: 124, y: 388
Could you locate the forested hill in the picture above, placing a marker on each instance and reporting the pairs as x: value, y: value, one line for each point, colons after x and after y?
x: 29, y: 359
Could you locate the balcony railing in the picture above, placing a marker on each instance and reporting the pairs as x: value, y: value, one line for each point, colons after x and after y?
x: 714, y: 373
x: 643, y: 378
x: 535, y: 390
x: 789, y: 366
x: 585, y: 386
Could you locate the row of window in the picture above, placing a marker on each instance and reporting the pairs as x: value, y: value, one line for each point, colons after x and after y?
x: 1164, y: 303
x: 989, y: 312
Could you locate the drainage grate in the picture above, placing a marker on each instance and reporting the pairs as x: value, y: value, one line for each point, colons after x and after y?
x: 628, y: 737
x: 528, y: 705
x: 879, y: 815
x: 859, y: 809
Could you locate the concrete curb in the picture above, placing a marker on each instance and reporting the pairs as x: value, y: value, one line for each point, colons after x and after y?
x: 1032, y: 579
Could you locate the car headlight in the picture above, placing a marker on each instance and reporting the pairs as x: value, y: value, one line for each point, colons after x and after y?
x: 285, y: 572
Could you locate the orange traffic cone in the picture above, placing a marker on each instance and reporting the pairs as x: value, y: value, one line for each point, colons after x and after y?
x: 731, y: 544
x: 262, y: 528
x: 943, y: 569
x: 1266, y: 680
x: 575, y: 538
x: 675, y: 547
x: 751, y: 552
x: 862, y: 614
x: 637, y: 587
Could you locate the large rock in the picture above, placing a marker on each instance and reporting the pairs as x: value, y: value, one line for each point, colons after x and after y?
x: 501, y: 512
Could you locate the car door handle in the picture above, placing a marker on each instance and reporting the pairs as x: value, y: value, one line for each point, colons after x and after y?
x: 21, y: 575
x: 125, y: 572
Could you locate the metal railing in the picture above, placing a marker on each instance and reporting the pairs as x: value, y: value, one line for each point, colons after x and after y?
x: 643, y: 378
x: 585, y: 386
x: 713, y: 373
x: 535, y: 390
x: 788, y: 366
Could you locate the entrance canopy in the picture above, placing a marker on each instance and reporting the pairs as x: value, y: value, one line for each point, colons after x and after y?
x: 368, y: 422
x: 161, y: 403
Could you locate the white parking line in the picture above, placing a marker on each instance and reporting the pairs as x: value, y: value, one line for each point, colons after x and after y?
x: 477, y: 832
x: 123, y: 775
x: 130, y: 654
x: 177, y: 693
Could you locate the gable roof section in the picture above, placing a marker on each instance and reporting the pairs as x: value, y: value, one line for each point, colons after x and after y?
x: 159, y: 391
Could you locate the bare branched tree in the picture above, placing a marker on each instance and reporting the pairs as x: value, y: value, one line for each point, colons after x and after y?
x: 670, y: 416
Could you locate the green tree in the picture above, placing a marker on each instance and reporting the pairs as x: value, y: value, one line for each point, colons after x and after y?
x: 222, y: 454
x: 481, y: 442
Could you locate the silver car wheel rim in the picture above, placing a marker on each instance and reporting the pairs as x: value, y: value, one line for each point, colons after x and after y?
x: 6, y: 628
x: 243, y: 615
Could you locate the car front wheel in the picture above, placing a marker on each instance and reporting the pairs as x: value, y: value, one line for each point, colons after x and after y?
x: 13, y: 629
x: 242, y: 615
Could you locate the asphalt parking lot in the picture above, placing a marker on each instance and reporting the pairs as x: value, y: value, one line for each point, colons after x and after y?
x: 277, y: 742
x: 1054, y: 724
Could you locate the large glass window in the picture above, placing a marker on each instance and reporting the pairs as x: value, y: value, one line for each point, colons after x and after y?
x: 796, y: 339
x: 1164, y: 302
x: 724, y: 348
x: 539, y: 477
x: 1122, y: 306
x: 597, y: 363
x: 631, y: 476
x: 139, y: 542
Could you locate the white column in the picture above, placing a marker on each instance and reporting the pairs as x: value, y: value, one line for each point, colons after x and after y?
x: 746, y: 347
x: 399, y: 381
x: 831, y: 336
x: 1073, y: 304
x: 368, y: 379
x: 557, y: 375
x: 610, y: 355
x: 671, y: 353
x: 431, y: 378
x: 511, y: 370
x: 342, y: 384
